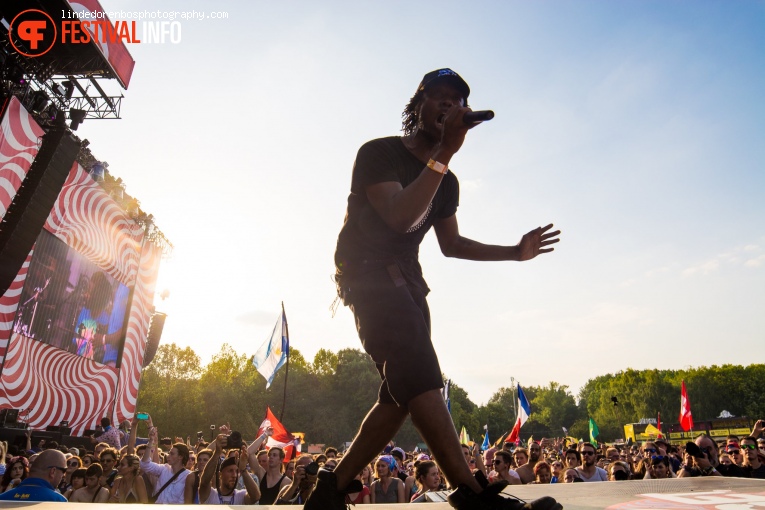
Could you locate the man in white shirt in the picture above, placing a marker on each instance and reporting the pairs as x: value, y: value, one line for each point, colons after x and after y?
x: 502, y: 463
x: 225, y: 492
x: 588, y: 471
x: 172, y: 475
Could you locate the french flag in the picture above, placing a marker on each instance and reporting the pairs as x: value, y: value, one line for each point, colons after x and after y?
x: 524, y: 411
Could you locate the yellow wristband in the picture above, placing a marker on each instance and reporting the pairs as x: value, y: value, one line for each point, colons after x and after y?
x: 437, y: 167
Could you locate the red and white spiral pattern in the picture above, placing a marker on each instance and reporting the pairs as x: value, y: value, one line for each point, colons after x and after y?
x: 52, y: 384
x: 86, y: 218
x: 9, y: 302
x: 138, y: 328
x: 55, y: 385
x: 19, y: 143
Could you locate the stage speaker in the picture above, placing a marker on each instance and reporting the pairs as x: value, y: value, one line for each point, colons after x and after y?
x: 9, y: 417
x: 58, y: 428
x: 34, y: 200
x: 156, y: 326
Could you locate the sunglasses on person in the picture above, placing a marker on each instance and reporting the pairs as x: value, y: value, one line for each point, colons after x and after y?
x: 749, y: 446
x: 497, y: 461
x: 658, y: 457
x: 734, y: 452
x: 585, y: 452
x: 62, y: 469
x: 73, y: 464
x: 650, y: 450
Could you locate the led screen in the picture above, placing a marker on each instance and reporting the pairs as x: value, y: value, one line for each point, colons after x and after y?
x: 71, y: 304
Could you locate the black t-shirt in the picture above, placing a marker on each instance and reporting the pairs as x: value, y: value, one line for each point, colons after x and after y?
x: 366, y: 242
x: 755, y: 473
x: 731, y: 470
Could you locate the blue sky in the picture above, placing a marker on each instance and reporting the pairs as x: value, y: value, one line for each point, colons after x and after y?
x: 637, y: 127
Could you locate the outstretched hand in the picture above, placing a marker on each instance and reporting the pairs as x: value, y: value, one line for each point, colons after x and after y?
x: 535, y: 242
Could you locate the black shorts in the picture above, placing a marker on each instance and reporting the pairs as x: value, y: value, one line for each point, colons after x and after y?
x: 393, y: 321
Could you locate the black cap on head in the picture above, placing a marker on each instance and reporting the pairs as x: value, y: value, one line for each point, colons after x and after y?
x: 229, y: 461
x: 445, y: 75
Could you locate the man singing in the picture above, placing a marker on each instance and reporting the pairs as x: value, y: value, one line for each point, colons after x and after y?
x: 401, y: 186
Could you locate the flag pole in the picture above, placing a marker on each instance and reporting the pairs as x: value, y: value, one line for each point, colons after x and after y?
x: 287, y: 368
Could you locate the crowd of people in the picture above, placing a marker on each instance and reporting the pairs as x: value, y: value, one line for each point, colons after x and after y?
x: 230, y: 471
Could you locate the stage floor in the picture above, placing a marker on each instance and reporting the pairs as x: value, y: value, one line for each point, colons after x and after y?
x: 689, y: 493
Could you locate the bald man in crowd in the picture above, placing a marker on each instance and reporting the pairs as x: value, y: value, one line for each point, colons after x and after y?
x: 45, y: 474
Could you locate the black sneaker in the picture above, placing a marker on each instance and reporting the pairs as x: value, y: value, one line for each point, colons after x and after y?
x: 326, y: 496
x: 491, y: 499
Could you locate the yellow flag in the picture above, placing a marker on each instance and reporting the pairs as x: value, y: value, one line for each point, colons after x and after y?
x: 650, y: 430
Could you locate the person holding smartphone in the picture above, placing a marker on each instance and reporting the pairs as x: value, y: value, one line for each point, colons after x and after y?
x: 705, y: 460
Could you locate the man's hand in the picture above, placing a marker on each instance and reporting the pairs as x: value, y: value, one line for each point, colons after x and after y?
x: 533, y: 243
x: 702, y: 462
x: 220, y: 442
x: 299, y: 475
x: 453, y: 131
x: 242, y: 464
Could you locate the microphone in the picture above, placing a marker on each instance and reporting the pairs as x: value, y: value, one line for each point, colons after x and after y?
x: 478, y: 116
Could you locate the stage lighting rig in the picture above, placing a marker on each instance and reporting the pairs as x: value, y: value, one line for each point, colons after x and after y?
x: 76, y: 116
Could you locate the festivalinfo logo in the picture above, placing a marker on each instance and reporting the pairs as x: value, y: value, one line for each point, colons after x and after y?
x: 36, y: 29
x: 34, y: 32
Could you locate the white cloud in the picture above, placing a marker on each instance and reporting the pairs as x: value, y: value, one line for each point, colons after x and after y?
x: 755, y: 262
x: 734, y: 257
x: 704, y: 268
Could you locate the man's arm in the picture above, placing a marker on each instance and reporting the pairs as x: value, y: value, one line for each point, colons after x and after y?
x: 454, y: 245
x: 478, y: 458
x: 102, y: 496
x: 188, y: 489
x: 77, y: 496
x: 252, y: 453
x: 253, y: 491
x: 209, y: 471
x: 147, y: 465
x: 133, y: 435
x: 399, y: 207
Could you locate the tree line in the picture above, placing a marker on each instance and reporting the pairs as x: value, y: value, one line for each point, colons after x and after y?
x: 328, y: 397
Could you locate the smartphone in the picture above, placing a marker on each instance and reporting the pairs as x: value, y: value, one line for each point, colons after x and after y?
x: 142, y: 416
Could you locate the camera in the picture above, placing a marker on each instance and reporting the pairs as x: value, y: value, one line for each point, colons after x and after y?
x: 200, y: 434
x: 312, y: 468
x: 212, y: 427
x: 234, y: 441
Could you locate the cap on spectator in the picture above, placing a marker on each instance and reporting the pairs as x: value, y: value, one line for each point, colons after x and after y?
x: 398, y: 452
x: 229, y: 461
x: 422, y: 457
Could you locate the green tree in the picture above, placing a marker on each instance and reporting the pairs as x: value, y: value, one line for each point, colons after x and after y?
x: 169, y: 389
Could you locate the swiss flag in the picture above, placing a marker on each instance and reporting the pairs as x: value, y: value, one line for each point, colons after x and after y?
x: 281, y: 438
x: 686, y: 419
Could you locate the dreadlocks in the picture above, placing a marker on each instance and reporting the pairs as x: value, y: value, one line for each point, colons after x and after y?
x: 410, y: 117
